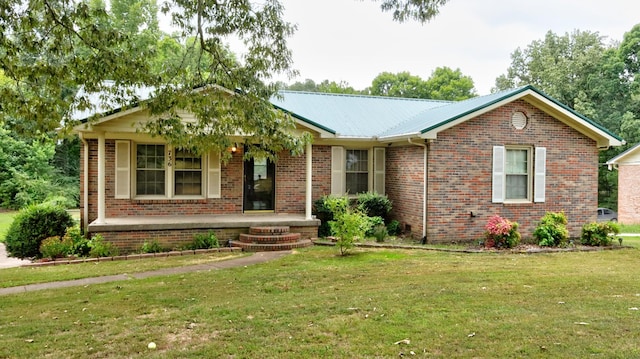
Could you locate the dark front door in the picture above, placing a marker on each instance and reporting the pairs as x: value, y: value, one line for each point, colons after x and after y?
x: 259, y: 185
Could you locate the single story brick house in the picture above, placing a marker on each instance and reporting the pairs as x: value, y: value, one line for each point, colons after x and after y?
x: 446, y: 166
x: 628, y: 165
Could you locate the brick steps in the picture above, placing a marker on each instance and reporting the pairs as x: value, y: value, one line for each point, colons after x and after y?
x: 273, y: 238
x: 266, y: 247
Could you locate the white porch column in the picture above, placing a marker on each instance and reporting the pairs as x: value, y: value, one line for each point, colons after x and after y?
x: 101, y: 179
x: 309, y: 186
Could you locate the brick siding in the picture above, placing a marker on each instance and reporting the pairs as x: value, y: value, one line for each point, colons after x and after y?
x: 460, y: 171
x: 629, y: 194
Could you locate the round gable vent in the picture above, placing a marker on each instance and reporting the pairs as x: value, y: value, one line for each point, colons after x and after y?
x: 519, y: 120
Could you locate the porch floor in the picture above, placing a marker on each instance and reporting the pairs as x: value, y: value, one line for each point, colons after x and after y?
x: 155, y: 223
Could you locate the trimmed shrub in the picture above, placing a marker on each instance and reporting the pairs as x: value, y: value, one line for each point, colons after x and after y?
x: 599, y: 234
x: 552, y: 230
x: 373, y: 204
x: 324, y: 214
x: 501, y: 233
x: 32, y: 225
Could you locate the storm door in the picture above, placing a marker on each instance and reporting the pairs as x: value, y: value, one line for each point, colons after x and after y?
x: 259, y: 185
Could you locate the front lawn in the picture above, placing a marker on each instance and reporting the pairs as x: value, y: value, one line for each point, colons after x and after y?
x: 371, y: 304
x: 6, y: 217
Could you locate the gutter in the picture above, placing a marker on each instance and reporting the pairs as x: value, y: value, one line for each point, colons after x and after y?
x: 85, y: 179
x: 425, y: 190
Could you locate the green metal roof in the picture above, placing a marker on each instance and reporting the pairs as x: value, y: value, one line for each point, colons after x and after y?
x: 352, y: 115
x: 380, y: 117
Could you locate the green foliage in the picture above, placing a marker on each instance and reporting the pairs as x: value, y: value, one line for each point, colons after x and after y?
x: 501, y: 233
x: 27, y: 175
x: 32, y: 225
x: 552, y: 230
x: 372, y: 224
x: 204, y: 241
x: 444, y: 84
x: 393, y: 227
x: 348, y: 225
x: 420, y: 10
x: 597, y: 78
x: 374, y: 205
x: 599, y: 234
x: 55, y: 247
x: 325, y: 86
x: 100, y: 248
x: 151, y: 247
x: 79, y: 242
x: 324, y: 214
x: 379, y: 232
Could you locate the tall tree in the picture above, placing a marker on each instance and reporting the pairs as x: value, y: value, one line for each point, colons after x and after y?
x: 324, y: 86
x: 50, y: 48
x: 402, y: 84
x: 447, y: 84
x: 443, y: 84
x: 591, y: 77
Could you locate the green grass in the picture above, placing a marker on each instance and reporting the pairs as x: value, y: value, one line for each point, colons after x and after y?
x: 12, y: 277
x: 6, y: 217
x: 315, y: 304
x: 629, y: 228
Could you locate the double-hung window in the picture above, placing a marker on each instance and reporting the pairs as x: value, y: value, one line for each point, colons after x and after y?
x: 518, y: 174
x: 160, y: 171
x: 150, y: 170
x: 356, y: 171
x: 187, y: 174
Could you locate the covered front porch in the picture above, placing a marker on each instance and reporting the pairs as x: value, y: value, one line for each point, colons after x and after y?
x: 131, y: 232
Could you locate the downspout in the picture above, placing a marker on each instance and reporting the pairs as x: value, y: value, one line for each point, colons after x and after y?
x: 85, y: 179
x: 308, y: 182
x: 425, y: 190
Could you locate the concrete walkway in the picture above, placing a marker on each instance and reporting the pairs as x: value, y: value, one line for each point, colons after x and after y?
x: 9, y: 262
x: 255, y: 258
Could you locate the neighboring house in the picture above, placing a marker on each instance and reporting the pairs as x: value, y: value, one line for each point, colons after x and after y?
x: 628, y: 166
x: 446, y: 166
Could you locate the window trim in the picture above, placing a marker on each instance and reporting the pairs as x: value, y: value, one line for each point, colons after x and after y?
x: 530, y: 173
x: 536, y: 174
x: 375, y: 174
x: 368, y: 171
x: 169, y: 168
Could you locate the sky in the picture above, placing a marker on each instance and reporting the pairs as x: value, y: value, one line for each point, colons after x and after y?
x: 354, y: 41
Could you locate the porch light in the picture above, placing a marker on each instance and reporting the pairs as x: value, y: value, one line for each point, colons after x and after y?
x: 234, y: 149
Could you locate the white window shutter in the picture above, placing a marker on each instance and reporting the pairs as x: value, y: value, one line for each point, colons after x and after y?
x: 337, y: 170
x: 123, y: 169
x: 540, y: 174
x: 497, y: 191
x: 379, y: 169
x: 213, y: 175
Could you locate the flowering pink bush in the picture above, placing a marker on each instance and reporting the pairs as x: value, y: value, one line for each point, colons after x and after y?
x: 501, y: 233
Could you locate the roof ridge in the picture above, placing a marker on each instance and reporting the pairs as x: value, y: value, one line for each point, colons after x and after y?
x: 392, y: 98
